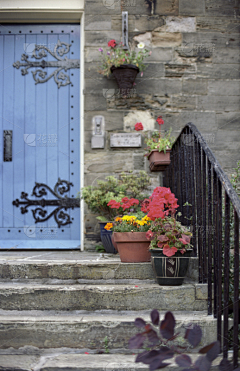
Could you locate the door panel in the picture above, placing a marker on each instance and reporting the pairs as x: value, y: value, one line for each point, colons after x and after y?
x: 39, y: 102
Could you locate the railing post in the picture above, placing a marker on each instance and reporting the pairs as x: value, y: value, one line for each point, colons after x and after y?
x: 210, y: 261
x: 236, y: 290
x: 226, y: 274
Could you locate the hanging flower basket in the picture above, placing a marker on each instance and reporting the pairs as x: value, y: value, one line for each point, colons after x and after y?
x: 125, y: 76
x: 159, y: 161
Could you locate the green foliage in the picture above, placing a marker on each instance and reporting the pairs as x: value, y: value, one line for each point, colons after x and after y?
x: 159, y: 141
x: 129, y: 184
x: 118, y: 56
x: 100, y: 248
x: 106, y: 344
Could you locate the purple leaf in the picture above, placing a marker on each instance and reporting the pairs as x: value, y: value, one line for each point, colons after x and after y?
x: 153, y: 337
x: 139, y: 322
x: 194, y: 335
x: 202, y: 364
x: 157, y: 363
x: 136, y: 341
x: 167, y: 326
x: 155, y: 317
x: 214, y: 351
x: 225, y: 365
x: 183, y: 360
x: 147, y: 357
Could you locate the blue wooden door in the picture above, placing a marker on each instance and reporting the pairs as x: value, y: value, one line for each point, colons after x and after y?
x: 39, y: 136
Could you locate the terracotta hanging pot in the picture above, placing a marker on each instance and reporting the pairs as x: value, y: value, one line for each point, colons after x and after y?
x: 125, y: 76
x: 133, y: 247
x: 170, y: 271
x: 159, y: 161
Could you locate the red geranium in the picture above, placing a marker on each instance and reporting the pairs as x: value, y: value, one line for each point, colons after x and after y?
x: 112, y: 43
x: 169, y: 251
x: 160, y: 120
x: 138, y: 126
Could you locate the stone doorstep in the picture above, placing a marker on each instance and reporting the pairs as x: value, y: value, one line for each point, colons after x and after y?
x: 79, y: 265
x: 81, y: 329
x: 82, y: 362
x: 188, y: 297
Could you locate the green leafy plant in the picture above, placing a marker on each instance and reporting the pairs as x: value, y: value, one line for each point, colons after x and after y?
x: 159, y: 339
x: 106, y: 344
x: 131, y: 185
x: 157, y: 140
x: 100, y: 248
x: 117, y: 56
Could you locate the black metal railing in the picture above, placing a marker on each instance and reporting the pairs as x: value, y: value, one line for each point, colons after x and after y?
x: 210, y: 207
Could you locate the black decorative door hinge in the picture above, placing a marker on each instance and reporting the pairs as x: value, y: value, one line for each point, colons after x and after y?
x: 40, y: 76
x: 40, y: 190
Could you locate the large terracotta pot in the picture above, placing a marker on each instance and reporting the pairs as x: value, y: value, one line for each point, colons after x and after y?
x: 133, y: 247
x: 170, y: 271
x: 125, y: 76
x: 158, y: 161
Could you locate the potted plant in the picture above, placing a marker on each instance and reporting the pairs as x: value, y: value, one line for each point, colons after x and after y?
x: 158, y: 147
x: 129, y: 235
x: 170, y: 241
x: 130, y: 185
x: 124, y: 64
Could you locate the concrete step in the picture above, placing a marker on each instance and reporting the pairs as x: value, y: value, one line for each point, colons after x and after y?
x: 84, y: 330
x: 74, y: 266
x: 18, y: 296
x: 59, y: 360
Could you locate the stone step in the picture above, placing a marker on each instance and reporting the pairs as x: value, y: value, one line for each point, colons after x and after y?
x: 84, y: 330
x: 60, y: 361
x: 74, y: 266
x: 18, y: 296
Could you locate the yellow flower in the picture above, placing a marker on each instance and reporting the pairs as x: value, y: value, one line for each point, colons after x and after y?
x: 108, y: 226
x: 129, y: 218
x: 117, y: 219
x: 146, y: 218
x: 140, y: 222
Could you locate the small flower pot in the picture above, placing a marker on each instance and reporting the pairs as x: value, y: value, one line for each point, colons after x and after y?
x: 133, y: 247
x: 125, y: 76
x: 170, y: 271
x: 159, y: 161
x: 106, y: 238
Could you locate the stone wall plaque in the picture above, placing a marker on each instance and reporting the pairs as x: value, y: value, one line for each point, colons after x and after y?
x: 126, y: 140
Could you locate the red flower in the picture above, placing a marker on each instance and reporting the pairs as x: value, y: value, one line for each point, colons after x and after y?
x: 138, y: 126
x: 145, y: 205
x: 114, y: 204
x: 169, y: 251
x: 160, y: 120
x: 112, y: 43
x: 185, y: 239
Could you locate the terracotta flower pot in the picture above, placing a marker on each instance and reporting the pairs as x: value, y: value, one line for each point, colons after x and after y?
x: 158, y: 161
x: 170, y: 271
x: 133, y: 247
x: 125, y: 76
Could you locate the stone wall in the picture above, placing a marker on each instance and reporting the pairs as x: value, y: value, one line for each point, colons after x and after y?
x: 192, y: 76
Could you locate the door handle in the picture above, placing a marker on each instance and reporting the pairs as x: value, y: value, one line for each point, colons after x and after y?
x: 7, y: 145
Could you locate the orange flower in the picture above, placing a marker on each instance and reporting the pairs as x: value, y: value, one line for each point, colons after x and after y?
x: 117, y: 219
x: 108, y: 226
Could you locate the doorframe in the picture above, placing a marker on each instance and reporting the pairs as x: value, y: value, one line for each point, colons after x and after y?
x: 54, y: 11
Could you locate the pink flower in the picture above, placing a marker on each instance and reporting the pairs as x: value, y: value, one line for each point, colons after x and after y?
x: 141, y: 74
x: 149, y: 234
x: 185, y: 239
x: 100, y: 50
x: 112, y: 43
x: 138, y: 126
x: 169, y: 251
x: 123, y: 59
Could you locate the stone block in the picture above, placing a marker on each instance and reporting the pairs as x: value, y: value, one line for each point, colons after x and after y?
x: 102, y: 7
x: 145, y: 38
x: 195, y: 86
x: 95, y: 102
x: 91, y: 54
x: 183, y: 102
x: 218, y: 71
x: 167, y: 7
x: 226, y: 88
x: 166, y: 39
x: 97, y: 22
x: 135, y: 116
x: 222, y: 8
x: 178, y: 24
x: 153, y: 71
x: 116, y: 23
x: 135, y: 7
x: 138, y: 161
x: 204, y: 121
x: 101, y: 38
x: 179, y: 70
x: 218, y: 103
x: 228, y: 120
x: 103, y: 86
x: 160, y: 55
x: 213, y: 40
x: 161, y: 87
x: 189, y: 7
x: 219, y: 24
x: 109, y: 161
x: 226, y: 55
x: 113, y: 119
x: 147, y: 23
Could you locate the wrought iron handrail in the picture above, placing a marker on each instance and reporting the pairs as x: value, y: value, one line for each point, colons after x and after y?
x: 198, y: 181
